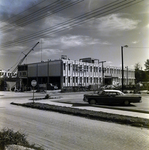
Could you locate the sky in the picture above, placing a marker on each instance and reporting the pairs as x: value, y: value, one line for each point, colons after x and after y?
x: 76, y: 28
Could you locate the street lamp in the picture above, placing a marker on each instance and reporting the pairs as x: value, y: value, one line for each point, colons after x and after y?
x: 122, y: 64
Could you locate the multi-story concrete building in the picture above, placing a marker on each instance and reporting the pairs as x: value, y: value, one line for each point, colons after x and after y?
x: 66, y: 73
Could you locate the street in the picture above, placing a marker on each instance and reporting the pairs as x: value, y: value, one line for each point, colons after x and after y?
x: 64, y: 132
x: 77, y: 99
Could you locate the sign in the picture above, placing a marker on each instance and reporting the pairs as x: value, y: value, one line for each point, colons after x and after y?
x: 33, y: 83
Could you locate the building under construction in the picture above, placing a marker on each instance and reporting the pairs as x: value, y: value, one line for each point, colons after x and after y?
x: 72, y: 74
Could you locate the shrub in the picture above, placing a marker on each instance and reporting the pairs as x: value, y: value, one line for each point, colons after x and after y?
x: 9, y: 137
x: 47, y: 96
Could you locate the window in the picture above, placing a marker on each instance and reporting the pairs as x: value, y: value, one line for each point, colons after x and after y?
x: 111, y: 71
x: 99, y: 80
x: 99, y: 69
x: 90, y: 80
x: 80, y: 79
x: 24, y: 73
x: 94, y: 69
x: 76, y: 79
x: 87, y: 68
x: 80, y: 68
x: 64, y: 80
x: 68, y: 66
x: 96, y: 80
x: 68, y: 79
x: 74, y: 67
x: 64, y: 66
x: 107, y: 70
x: 90, y: 68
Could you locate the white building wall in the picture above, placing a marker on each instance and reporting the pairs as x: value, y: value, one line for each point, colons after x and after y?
x: 77, y: 73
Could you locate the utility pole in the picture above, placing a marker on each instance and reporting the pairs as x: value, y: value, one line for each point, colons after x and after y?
x: 122, y: 66
x: 127, y: 74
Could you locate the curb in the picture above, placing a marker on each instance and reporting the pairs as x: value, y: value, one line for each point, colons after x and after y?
x: 124, y: 109
x: 102, y: 116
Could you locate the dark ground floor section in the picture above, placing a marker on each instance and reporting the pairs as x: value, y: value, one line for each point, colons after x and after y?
x: 45, y: 83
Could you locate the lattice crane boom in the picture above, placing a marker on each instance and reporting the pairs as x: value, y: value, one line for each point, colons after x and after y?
x: 21, y: 61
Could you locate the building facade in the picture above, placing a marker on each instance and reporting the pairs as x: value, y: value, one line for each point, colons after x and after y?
x: 7, y: 74
x: 66, y: 73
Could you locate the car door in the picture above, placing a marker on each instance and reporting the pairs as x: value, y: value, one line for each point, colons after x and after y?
x: 112, y: 98
x: 104, y: 97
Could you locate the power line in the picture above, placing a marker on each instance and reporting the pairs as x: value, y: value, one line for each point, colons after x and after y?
x: 138, y: 47
x: 42, y: 13
x: 10, y: 20
x: 63, y: 6
x: 102, y: 11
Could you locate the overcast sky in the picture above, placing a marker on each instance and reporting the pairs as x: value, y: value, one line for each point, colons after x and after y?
x: 73, y: 28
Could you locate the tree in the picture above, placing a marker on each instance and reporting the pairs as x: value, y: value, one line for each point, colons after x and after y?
x: 137, y: 66
x: 138, y: 72
x: 146, y: 65
x: 2, y: 84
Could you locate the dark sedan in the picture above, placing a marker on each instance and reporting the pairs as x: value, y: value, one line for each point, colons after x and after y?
x: 111, y: 97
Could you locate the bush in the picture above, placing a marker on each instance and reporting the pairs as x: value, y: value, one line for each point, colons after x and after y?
x: 9, y: 137
x: 47, y: 96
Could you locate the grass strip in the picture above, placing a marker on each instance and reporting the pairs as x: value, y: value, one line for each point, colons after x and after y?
x: 103, y: 116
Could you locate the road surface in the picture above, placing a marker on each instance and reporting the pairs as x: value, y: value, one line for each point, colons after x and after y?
x: 55, y: 131
x: 77, y: 98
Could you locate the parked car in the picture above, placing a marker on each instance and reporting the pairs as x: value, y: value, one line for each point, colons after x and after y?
x: 111, y: 97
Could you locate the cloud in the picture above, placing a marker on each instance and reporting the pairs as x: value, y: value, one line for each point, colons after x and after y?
x: 115, y: 22
x: 135, y: 42
x: 54, y: 20
x: 48, y: 52
x: 72, y: 41
x: 147, y: 25
x: 14, y: 7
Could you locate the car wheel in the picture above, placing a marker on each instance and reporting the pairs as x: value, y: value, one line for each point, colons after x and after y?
x: 126, y: 102
x: 92, y: 101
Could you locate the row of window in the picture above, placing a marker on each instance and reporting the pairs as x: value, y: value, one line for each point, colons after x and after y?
x: 82, y: 80
x: 81, y: 68
x: 23, y: 74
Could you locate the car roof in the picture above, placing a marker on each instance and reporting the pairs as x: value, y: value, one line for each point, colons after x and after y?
x: 112, y: 91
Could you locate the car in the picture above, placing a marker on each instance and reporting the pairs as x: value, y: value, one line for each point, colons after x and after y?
x: 111, y: 97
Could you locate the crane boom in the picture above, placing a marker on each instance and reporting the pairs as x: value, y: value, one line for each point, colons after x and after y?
x: 20, y: 62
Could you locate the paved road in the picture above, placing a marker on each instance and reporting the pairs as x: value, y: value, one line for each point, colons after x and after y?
x: 77, y: 99
x: 55, y: 131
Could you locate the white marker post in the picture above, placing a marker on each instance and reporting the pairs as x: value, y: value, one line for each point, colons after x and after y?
x: 33, y: 83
